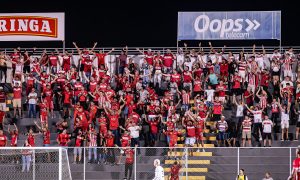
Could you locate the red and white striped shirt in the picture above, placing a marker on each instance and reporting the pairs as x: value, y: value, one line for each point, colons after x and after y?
x: 92, y: 140
x: 263, y: 102
x: 242, y: 66
x: 287, y: 64
x: 185, y: 98
x: 247, y: 125
x: 275, y: 108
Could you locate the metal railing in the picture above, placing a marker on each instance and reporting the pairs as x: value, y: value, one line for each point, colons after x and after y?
x: 133, y: 50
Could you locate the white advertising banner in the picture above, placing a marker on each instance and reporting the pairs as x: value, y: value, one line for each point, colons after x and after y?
x: 32, y: 27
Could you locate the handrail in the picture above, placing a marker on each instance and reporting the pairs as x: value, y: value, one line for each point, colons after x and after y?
x: 234, y: 49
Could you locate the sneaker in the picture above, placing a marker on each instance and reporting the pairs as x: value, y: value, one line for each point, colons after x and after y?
x: 260, y: 139
x: 282, y: 140
x: 295, y: 139
x: 203, y: 150
x: 198, y: 150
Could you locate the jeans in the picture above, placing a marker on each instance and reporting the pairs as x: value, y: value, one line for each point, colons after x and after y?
x: 128, y: 168
x: 117, y: 138
x: 136, y: 141
x: 32, y: 110
x: 26, y: 159
x: 94, y: 149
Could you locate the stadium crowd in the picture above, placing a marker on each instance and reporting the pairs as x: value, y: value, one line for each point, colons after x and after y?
x: 170, y: 94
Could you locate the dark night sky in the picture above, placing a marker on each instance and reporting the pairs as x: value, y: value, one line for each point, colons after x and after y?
x: 141, y: 23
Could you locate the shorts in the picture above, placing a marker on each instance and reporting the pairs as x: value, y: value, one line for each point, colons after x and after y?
x: 236, y: 91
x: 246, y: 135
x: 242, y: 74
x: 17, y: 103
x: 190, y: 141
x: 3, y: 105
x: 267, y: 135
x: 287, y: 73
x: 274, y: 73
x: 284, y: 124
x: 172, y: 144
x: 67, y: 105
x: 77, y: 151
x: 298, y: 124
x: 216, y: 117
x: 221, y: 136
x: 199, y: 136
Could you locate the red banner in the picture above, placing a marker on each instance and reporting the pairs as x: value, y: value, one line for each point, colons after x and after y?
x: 28, y: 25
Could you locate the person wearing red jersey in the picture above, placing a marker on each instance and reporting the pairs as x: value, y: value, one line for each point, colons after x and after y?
x: 125, y: 142
x: 14, y: 135
x: 102, y: 121
x: 101, y: 57
x: 190, y: 139
x: 46, y: 134
x: 31, y: 137
x: 109, y: 143
x: 78, y: 144
x: 295, y: 174
x: 149, y: 55
x: 168, y: 60
x: 113, y: 116
x: 48, y: 94
x: 153, y: 129
x: 54, y: 62
x: 129, y: 153
x: 172, y: 135
x: 174, y: 174
x: 217, y: 109
x: 44, y: 112
x: 200, y: 127
x: 63, y: 138
x: 221, y: 89
x: 15, y: 56
x: 236, y: 84
x: 26, y: 156
x: 66, y: 60
x: 175, y: 77
x: 3, y: 139
x: 67, y: 101
x: 17, y: 91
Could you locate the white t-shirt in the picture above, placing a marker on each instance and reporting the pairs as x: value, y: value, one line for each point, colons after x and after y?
x: 33, y: 96
x: 134, y: 131
x: 210, y: 94
x: 239, y: 111
x: 285, y: 116
x: 159, y: 173
x: 267, y: 125
x: 257, y: 116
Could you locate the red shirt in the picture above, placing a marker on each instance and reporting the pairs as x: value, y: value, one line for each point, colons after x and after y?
x: 113, y: 122
x: 149, y: 57
x: 175, y: 172
x: 17, y: 92
x: 175, y: 78
x: 14, y: 139
x: 153, y: 127
x: 31, y: 140
x: 88, y: 65
x: 191, y: 131
x: 170, y: 125
x: 67, y: 97
x: 221, y: 90
x: 109, y: 140
x: 78, y: 141
x: 296, y: 166
x: 199, y: 126
x: 129, y: 156
x: 125, y: 140
x: 103, y: 125
x: 168, y: 60
x: 173, y: 137
x: 101, y: 58
x: 2, y: 114
x: 63, y: 139
x: 46, y: 137
x: 217, y: 108
x: 53, y: 60
x: 3, y: 140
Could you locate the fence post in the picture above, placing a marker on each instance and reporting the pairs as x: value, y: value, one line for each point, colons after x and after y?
x: 135, y: 151
x: 60, y: 163
x: 186, y: 162
x: 84, y: 161
x: 290, y: 159
x: 238, y: 160
x: 33, y: 165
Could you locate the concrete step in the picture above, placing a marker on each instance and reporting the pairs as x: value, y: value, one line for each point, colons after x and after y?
x: 196, y: 170
x: 197, y: 162
x: 195, y: 154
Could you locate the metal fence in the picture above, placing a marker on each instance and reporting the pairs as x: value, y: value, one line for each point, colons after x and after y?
x: 133, y: 50
x: 196, y: 163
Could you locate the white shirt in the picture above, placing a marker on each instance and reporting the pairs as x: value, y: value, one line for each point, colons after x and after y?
x: 267, y: 125
x: 257, y: 116
x: 33, y: 96
x: 285, y: 116
x: 210, y: 94
x: 134, y: 131
x: 159, y: 173
x: 239, y: 111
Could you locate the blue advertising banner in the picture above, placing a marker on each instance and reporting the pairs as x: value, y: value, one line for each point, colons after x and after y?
x: 229, y: 25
